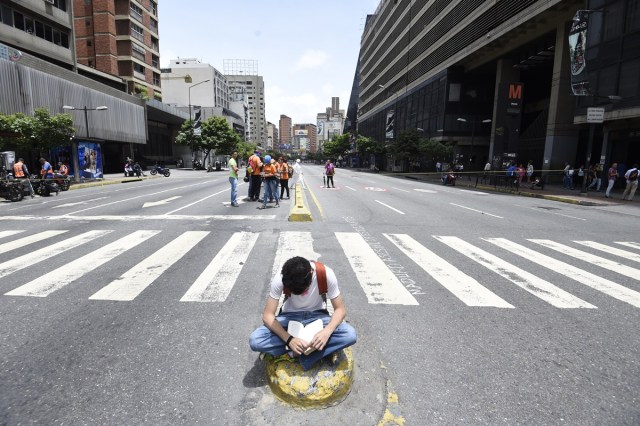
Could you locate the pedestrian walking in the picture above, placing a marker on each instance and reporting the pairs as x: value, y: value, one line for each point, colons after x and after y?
x: 612, y: 174
x: 632, y: 183
x: 300, y: 279
x: 297, y: 175
x: 233, y: 178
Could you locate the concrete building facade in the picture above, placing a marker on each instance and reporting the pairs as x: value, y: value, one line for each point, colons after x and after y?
x: 305, y: 138
x: 120, y: 37
x: 285, y: 125
x: 447, y: 68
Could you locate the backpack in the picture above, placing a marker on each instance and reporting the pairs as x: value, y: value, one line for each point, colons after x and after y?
x: 633, y: 175
x: 290, y: 169
x: 321, y: 275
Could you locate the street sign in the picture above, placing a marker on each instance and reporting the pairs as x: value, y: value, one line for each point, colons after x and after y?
x: 595, y: 115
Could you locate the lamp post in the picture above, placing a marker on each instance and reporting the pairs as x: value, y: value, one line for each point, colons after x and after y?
x: 594, y: 116
x: 191, y: 118
x: 473, y: 130
x: 74, y: 144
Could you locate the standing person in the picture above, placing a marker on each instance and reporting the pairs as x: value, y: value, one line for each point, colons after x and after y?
x: 256, y: 180
x: 20, y: 171
x: 529, y: 171
x: 269, y: 176
x: 612, y: 174
x: 438, y: 167
x: 233, y: 178
x: 329, y: 170
x: 284, y: 177
x: 632, y: 183
x: 567, y: 180
x: 46, y: 172
x: 297, y: 175
x: 520, y: 173
x: 299, y: 276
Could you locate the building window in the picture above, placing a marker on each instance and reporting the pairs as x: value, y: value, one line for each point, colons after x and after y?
x: 154, y: 8
x: 156, y: 79
x: 137, y: 32
x: 136, y: 12
x: 138, y: 68
x: 138, y: 52
x: 154, y: 44
x: 89, y: 43
x: 155, y: 61
x: 87, y: 22
x: 153, y: 24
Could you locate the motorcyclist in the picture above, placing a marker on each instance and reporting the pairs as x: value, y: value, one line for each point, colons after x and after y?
x: 62, y: 169
x: 46, y: 172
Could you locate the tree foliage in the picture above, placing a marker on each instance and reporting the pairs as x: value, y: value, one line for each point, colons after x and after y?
x: 368, y: 146
x: 216, y: 137
x: 432, y: 148
x: 407, y: 145
x: 41, y: 131
x: 337, y: 146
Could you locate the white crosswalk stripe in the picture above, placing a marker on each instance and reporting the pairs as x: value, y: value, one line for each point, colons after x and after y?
x: 55, y: 280
x: 465, y: 288
x: 217, y: 280
x: 378, y: 282
x: 591, y: 258
x: 45, y: 253
x: 591, y: 280
x: 523, y: 279
x: 130, y: 284
x: 374, y: 264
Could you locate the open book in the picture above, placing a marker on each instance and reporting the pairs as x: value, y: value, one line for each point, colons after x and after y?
x: 306, y: 333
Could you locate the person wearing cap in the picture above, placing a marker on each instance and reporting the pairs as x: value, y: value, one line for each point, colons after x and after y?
x: 270, y: 183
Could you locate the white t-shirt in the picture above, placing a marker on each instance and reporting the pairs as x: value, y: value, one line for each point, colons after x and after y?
x: 310, y: 300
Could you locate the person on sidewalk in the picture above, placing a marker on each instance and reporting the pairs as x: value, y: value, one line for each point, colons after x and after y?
x: 567, y: 181
x: 632, y: 183
x: 233, y: 178
x: 305, y: 305
x: 612, y: 174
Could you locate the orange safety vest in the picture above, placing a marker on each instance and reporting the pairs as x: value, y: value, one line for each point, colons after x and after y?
x: 64, y: 170
x: 268, y: 169
x: 284, y: 171
x: 254, y: 161
x: 17, y: 170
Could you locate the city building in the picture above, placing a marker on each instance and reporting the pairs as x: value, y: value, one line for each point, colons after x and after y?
x: 246, y: 86
x: 285, y: 125
x: 330, y: 123
x: 305, y: 138
x: 272, y: 135
x: 120, y: 38
x: 494, y: 79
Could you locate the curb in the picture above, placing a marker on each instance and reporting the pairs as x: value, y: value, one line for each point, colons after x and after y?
x: 104, y: 182
x: 321, y: 386
x: 299, y: 212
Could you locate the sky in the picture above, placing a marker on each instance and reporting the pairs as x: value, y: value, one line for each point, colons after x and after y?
x: 306, y: 50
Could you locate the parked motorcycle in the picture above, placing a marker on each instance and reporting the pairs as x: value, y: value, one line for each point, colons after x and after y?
x: 64, y: 182
x: 449, y: 178
x: 197, y: 165
x: 44, y: 187
x: 160, y: 169
x: 11, y: 190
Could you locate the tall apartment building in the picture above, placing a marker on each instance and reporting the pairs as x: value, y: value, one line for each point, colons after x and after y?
x: 285, y: 125
x: 305, y: 137
x: 120, y: 37
x: 272, y: 135
x: 245, y: 83
x: 331, y: 122
x: 43, y: 29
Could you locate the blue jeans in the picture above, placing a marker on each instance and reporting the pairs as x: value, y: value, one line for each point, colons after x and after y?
x: 270, y: 191
x: 263, y: 340
x: 234, y: 189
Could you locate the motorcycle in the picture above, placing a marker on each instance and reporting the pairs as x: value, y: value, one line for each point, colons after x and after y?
x: 11, y: 190
x: 449, y: 178
x: 63, y: 181
x: 197, y: 165
x: 44, y: 187
x: 160, y: 169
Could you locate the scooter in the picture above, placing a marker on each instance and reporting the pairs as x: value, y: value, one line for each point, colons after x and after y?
x: 160, y: 169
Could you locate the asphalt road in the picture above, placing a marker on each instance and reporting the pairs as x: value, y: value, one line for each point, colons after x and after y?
x: 132, y: 304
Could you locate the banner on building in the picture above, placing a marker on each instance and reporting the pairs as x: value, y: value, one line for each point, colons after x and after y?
x: 301, y: 132
x: 197, y: 129
x: 577, y: 47
x: 389, y: 127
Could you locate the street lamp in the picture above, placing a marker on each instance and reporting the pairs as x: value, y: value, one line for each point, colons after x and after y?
x: 190, y: 87
x: 74, y: 144
x: 473, y: 129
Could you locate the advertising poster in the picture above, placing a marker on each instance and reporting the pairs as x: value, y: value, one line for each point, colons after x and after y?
x: 389, y: 127
x: 90, y: 160
x: 577, y: 47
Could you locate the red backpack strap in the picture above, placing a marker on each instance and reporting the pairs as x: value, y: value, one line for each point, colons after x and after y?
x: 321, y: 275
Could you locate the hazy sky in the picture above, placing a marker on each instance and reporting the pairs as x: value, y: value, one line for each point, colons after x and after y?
x: 306, y: 50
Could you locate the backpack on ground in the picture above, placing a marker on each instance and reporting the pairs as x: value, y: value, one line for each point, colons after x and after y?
x: 321, y: 275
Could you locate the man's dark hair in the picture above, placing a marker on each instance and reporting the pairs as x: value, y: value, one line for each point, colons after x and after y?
x: 297, y: 274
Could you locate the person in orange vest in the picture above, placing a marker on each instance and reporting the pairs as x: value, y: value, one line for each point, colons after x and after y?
x: 284, y: 177
x: 62, y: 169
x: 47, y: 171
x: 270, y: 182
x: 256, y: 180
x: 20, y: 171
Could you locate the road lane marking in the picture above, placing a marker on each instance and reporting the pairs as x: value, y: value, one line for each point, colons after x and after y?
x: 523, y: 279
x: 461, y: 285
x: 478, y: 211
x: 348, y: 187
x: 380, y: 285
x: 629, y: 244
x: 426, y: 191
x: 590, y: 258
x: 473, y: 192
x: 139, y: 218
x: 538, y: 209
x: 161, y: 202
x: 21, y: 242
x: 57, y: 279
x: 398, y: 189
x: 47, y: 252
x: 612, y: 250
x: 586, y: 278
x: 388, y: 206
x: 130, y: 284
x: 199, y: 201
x: 9, y: 233
x: 215, y: 283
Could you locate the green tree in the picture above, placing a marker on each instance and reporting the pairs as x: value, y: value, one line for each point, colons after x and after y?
x: 187, y: 137
x: 407, y: 146
x: 337, y: 146
x: 218, y: 137
x: 368, y: 146
x: 41, y: 131
x: 434, y: 149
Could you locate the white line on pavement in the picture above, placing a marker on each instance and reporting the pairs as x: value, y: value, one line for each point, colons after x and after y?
x: 389, y: 207
x: 478, y: 211
x: 348, y: 187
x: 137, y: 218
x: 398, y: 189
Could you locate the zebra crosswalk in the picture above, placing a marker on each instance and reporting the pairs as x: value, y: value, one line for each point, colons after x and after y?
x: 377, y: 276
